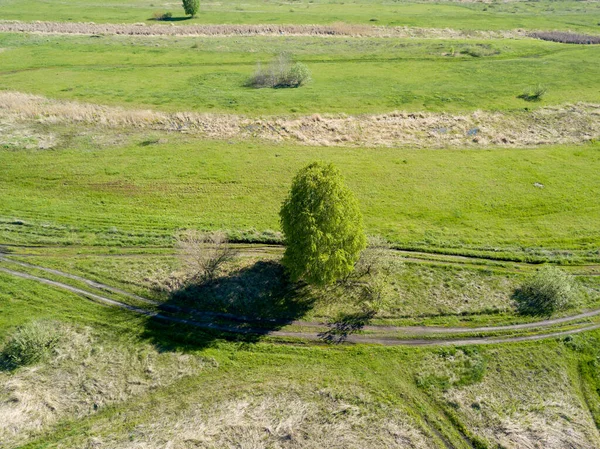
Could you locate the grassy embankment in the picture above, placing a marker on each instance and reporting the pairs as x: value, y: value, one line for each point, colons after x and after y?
x: 422, y: 291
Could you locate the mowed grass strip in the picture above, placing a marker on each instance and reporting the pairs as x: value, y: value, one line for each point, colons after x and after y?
x: 543, y: 14
x: 349, y: 75
x: 488, y: 199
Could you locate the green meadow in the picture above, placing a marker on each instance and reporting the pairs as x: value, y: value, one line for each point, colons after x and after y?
x: 469, y: 199
x: 544, y: 14
x: 349, y: 75
x: 108, y: 339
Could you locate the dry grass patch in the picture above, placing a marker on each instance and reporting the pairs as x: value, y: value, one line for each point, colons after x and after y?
x: 335, y: 29
x: 555, y: 125
x: 15, y: 134
x: 83, y: 375
x: 285, y: 421
x: 525, y: 401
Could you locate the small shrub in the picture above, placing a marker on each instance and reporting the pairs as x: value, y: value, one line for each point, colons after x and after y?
x: 158, y: 15
x: 191, y: 7
x: 30, y: 344
x: 548, y: 290
x: 280, y: 73
x: 373, y: 275
x: 203, y: 255
x: 479, y: 51
x: 534, y: 93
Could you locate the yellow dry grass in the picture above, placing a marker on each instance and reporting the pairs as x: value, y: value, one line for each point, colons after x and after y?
x: 529, y: 406
x: 335, y: 29
x: 565, y: 124
x: 272, y: 421
x: 84, y: 375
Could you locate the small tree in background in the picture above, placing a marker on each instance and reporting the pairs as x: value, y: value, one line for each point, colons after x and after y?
x: 191, y: 7
x: 322, y: 225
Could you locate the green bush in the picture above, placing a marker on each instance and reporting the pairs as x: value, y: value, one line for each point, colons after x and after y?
x: 280, y: 73
x: 30, y: 343
x: 548, y: 290
x: 534, y: 93
x: 162, y: 15
x: 191, y: 7
x: 322, y: 225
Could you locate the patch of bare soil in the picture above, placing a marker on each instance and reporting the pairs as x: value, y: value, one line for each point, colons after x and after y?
x: 572, y: 123
x: 336, y: 29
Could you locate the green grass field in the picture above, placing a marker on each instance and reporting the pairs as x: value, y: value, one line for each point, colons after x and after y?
x: 477, y: 16
x: 471, y: 203
x: 350, y: 75
x: 463, y: 199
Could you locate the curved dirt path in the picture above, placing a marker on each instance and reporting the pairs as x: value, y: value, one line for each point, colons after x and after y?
x: 319, y: 336
x: 419, y: 330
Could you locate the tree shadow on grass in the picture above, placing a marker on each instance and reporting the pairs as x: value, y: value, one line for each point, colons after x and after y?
x: 171, y: 19
x: 244, y: 305
x: 346, y: 325
x: 526, y: 305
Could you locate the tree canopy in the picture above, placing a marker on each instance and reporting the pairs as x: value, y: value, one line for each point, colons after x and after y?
x: 322, y: 225
x: 191, y: 7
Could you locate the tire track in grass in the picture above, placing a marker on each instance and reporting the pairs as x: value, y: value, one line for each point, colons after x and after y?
x: 289, y: 334
x: 419, y: 330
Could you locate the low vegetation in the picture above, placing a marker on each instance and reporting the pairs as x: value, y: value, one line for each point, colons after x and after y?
x: 30, y: 343
x: 282, y: 72
x: 534, y: 93
x: 158, y: 15
x: 548, y: 290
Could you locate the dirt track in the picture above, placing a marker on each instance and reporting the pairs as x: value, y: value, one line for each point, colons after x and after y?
x: 416, y: 330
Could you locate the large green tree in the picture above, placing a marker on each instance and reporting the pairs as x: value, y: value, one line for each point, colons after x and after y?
x: 323, y: 226
x: 191, y: 7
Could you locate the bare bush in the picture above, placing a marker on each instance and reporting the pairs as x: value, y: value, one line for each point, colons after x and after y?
x: 280, y: 73
x: 566, y: 37
x: 203, y: 255
x: 373, y: 275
